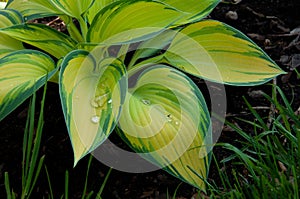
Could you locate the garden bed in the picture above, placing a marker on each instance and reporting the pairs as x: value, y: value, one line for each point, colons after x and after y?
x: 274, y: 25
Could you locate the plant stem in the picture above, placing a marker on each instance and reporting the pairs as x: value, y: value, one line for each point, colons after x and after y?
x: 72, y: 29
x: 123, y: 51
x: 83, y: 28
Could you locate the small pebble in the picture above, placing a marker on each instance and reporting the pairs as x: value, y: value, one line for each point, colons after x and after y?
x: 232, y: 15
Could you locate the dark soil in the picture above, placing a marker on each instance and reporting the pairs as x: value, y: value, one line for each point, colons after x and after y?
x: 273, y: 24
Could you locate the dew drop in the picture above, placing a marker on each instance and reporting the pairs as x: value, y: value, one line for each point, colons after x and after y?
x: 95, y: 119
x: 169, y: 118
x: 176, y: 123
x: 146, y: 101
x: 109, y: 101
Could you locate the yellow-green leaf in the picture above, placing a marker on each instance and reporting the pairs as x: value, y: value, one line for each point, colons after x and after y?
x: 152, y: 47
x: 166, y: 120
x: 195, y: 9
x: 215, y: 51
x: 130, y: 21
x: 74, y: 8
x: 10, y: 17
x: 33, y: 9
x: 22, y: 73
x: 8, y: 44
x: 92, y: 92
x: 96, y: 7
x: 43, y: 37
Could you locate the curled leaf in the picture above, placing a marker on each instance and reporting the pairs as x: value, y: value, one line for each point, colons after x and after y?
x: 92, y: 92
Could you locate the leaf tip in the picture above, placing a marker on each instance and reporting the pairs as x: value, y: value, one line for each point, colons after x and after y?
x: 77, y: 157
x: 75, y: 163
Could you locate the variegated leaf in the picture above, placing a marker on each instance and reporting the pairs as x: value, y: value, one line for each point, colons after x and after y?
x: 96, y: 7
x: 152, y: 47
x: 43, y: 37
x: 223, y: 54
x: 8, y: 44
x: 165, y: 120
x: 195, y: 9
x: 74, y: 8
x: 92, y: 92
x: 22, y: 73
x: 10, y: 17
x: 131, y: 21
x: 33, y: 9
x: 217, y: 52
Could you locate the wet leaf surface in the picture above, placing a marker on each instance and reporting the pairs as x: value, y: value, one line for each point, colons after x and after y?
x: 272, y: 24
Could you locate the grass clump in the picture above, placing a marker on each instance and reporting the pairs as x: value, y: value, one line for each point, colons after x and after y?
x: 266, y: 162
x: 32, y: 163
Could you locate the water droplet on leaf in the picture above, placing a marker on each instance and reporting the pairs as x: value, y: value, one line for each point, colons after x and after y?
x: 146, y: 101
x: 95, y: 119
x: 169, y: 118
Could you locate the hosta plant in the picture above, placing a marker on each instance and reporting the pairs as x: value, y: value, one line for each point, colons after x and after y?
x: 124, y: 63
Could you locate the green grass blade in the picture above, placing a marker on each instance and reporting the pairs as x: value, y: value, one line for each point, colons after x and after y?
x: 176, y: 190
x: 24, y: 147
x: 296, y: 181
x: 36, y: 175
x: 7, y: 186
x: 256, y: 115
x: 49, y: 183
x: 29, y: 141
x: 89, y: 195
x: 34, y: 170
x: 67, y: 184
x: 86, y: 177
x: 103, y: 184
x: 248, y: 160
